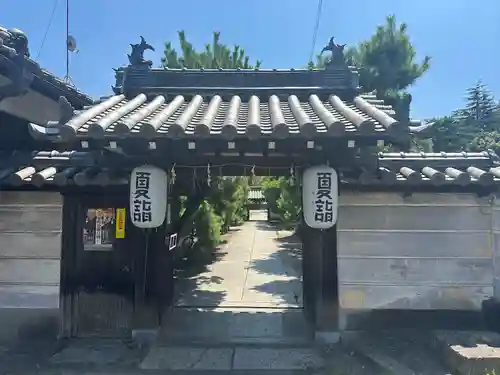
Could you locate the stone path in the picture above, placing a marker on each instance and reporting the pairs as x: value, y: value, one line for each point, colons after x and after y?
x: 254, y: 270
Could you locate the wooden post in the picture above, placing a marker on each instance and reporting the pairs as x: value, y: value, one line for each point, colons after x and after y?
x: 148, y: 301
x: 321, y: 281
x: 320, y: 253
x: 68, y: 259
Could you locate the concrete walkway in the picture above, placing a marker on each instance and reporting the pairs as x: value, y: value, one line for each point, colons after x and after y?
x: 255, y: 270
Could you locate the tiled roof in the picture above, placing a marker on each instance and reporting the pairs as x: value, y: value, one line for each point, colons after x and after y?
x: 59, y: 169
x: 214, y: 116
x: 436, y: 169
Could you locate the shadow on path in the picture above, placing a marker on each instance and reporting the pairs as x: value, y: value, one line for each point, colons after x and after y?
x: 190, y: 281
x: 288, y: 251
x: 283, y: 259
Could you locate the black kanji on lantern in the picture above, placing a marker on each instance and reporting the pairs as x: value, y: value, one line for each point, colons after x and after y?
x: 142, y: 180
x: 142, y: 200
x: 324, y: 200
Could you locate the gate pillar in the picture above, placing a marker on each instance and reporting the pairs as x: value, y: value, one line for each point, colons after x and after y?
x: 319, y: 238
x: 149, y: 285
x: 321, y: 281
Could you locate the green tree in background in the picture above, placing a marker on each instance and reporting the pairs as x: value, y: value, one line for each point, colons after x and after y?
x: 215, y: 55
x: 386, y: 61
x: 229, y: 198
x: 284, y: 199
x: 445, y: 135
x: 475, y: 127
x: 226, y: 203
x: 480, y: 112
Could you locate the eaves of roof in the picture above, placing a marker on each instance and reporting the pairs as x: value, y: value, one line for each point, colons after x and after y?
x: 404, y: 170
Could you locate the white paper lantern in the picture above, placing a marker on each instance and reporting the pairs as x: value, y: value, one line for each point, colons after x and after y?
x: 320, y: 196
x: 148, y: 196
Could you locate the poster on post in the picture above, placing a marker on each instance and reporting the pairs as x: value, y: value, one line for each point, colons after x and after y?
x: 120, y: 223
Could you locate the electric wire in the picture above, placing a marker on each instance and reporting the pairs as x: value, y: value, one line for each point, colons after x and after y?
x: 316, y: 27
x: 54, y: 7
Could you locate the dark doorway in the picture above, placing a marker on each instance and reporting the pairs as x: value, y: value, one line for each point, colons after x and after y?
x: 99, y: 260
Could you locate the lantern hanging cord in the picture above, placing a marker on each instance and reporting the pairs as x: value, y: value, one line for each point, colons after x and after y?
x: 292, y: 174
x: 209, y: 175
x: 173, y: 174
x: 250, y: 166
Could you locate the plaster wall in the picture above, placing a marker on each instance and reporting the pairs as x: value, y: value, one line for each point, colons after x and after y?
x: 425, y: 251
x: 30, y: 248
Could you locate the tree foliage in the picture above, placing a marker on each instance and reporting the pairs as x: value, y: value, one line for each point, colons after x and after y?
x: 214, y: 56
x: 229, y: 197
x: 480, y: 111
x: 283, y: 197
x: 387, y: 61
x: 474, y: 127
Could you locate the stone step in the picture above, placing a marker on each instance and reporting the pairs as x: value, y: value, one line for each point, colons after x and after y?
x: 238, y: 341
x: 469, y: 352
x: 401, y: 352
x: 175, y: 358
x: 243, y: 326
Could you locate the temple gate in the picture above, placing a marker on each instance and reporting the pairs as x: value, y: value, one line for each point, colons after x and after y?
x: 198, y: 124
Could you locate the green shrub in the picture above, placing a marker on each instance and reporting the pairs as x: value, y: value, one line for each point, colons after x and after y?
x: 283, y: 198
x: 208, y: 226
x: 229, y: 197
x: 225, y: 206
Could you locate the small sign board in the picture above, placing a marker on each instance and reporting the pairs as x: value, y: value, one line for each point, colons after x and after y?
x: 172, y: 241
x: 120, y: 223
x: 320, y: 196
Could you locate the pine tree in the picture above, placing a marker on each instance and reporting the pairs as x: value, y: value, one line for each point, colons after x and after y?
x: 215, y: 55
x: 479, y: 113
x: 387, y: 61
x: 475, y: 127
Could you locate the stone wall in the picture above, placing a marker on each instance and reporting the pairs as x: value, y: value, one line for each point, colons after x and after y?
x: 425, y: 251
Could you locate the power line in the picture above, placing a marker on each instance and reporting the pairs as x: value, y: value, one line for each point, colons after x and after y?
x: 316, y: 27
x: 67, y: 78
x: 47, y: 28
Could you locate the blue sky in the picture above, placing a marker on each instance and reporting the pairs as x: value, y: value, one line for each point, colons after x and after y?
x: 462, y: 36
